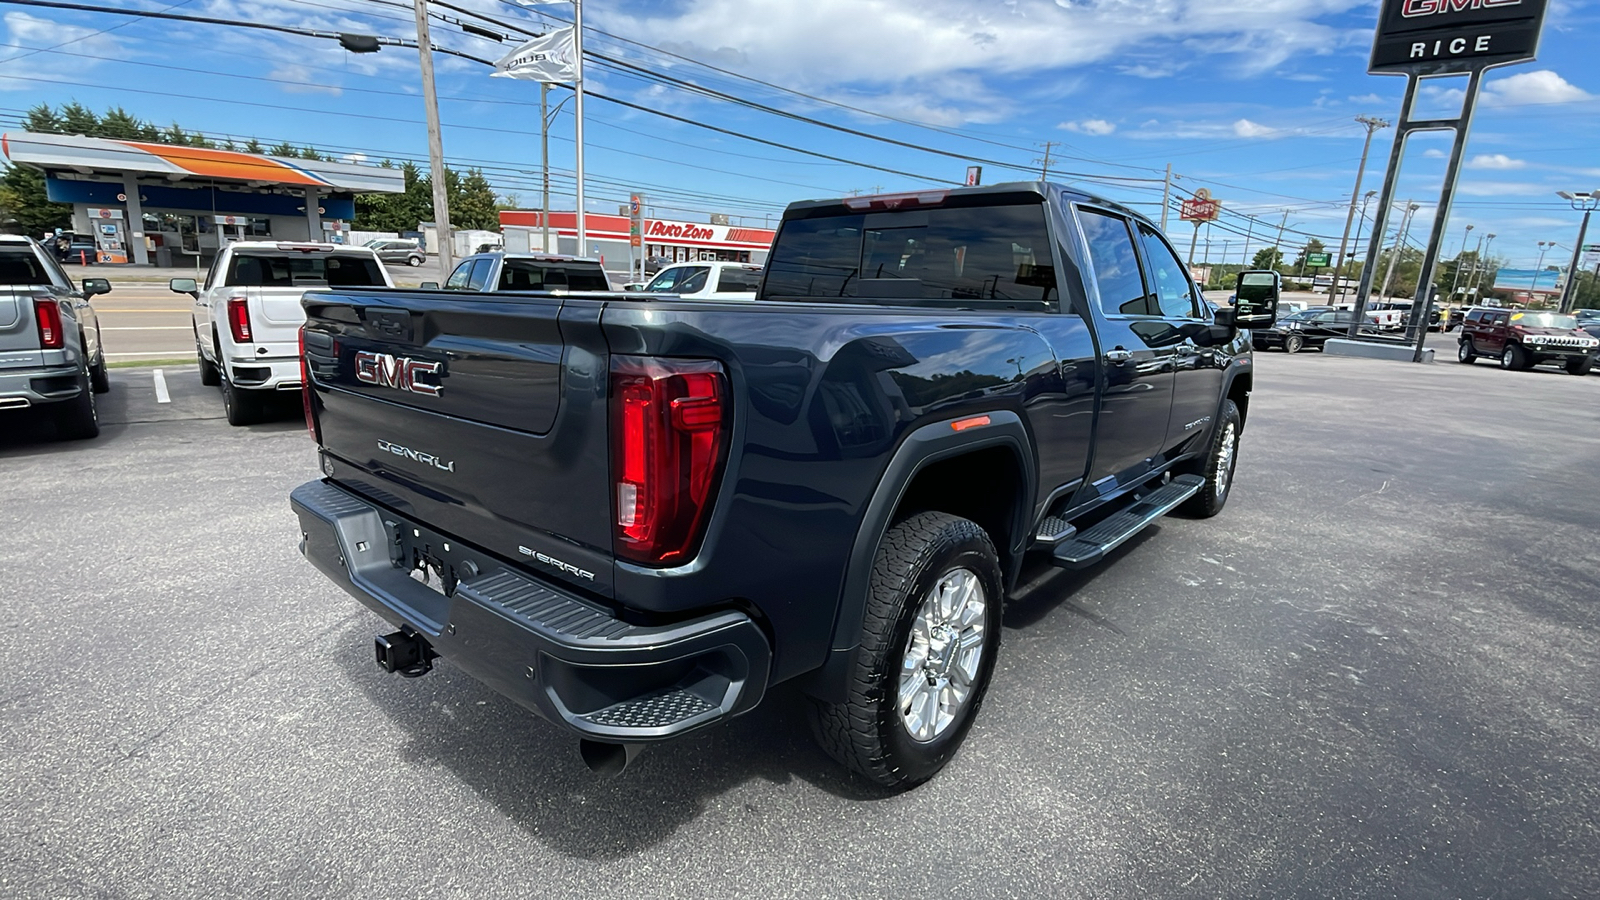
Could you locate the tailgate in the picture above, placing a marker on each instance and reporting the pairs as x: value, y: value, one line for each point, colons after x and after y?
x: 482, y: 416
x: 19, y: 339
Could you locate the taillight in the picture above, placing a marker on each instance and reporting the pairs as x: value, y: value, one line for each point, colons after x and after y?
x: 669, y: 423
x: 48, y: 315
x: 306, y: 389
x: 239, y: 319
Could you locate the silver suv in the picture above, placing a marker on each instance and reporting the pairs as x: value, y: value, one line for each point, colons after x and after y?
x: 399, y: 250
x: 50, y: 352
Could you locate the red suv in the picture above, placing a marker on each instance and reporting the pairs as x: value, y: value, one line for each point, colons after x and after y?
x: 1522, y: 339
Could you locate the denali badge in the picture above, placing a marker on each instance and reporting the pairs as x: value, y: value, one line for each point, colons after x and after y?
x: 566, y: 567
x: 427, y: 459
x: 397, y: 372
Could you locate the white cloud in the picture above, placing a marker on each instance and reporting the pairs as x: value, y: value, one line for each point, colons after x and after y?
x: 896, y: 46
x: 1097, y: 127
x: 1434, y: 153
x: 1368, y: 99
x: 304, y: 81
x: 1502, y: 189
x: 1495, y: 161
x: 1247, y: 129
x: 26, y: 34
x: 1533, y: 88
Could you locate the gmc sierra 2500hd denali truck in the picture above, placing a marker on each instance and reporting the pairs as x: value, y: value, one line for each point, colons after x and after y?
x: 634, y: 517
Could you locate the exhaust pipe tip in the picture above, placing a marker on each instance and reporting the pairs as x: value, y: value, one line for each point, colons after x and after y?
x: 608, y: 760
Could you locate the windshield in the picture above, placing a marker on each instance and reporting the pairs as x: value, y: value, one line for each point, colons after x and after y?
x: 1544, y: 320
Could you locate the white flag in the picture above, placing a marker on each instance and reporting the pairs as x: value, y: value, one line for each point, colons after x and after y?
x: 552, y: 59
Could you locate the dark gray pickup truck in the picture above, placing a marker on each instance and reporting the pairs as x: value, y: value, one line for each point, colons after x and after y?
x: 635, y: 516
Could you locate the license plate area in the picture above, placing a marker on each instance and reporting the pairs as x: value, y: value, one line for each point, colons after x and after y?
x: 430, y: 559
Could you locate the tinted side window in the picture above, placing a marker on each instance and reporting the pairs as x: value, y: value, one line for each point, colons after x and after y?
x: 20, y: 266
x: 522, y: 275
x: 692, y: 281
x: 479, y: 277
x: 257, y: 269
x: 738, y: 280
x: 1174, y: 292
x: 1116, y: 265
x: 458, y: 278
x: 663, y: 283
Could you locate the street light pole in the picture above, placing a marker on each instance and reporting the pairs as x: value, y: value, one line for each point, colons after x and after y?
x: 1538, y: 268
x: 577, y: 87
x: 430, y: 99
x: 1478, y: 267
x: 1586, y: 202
x: 1373, y: 124
x: 1456, y: 282
x: 544, y: 165
x: 1399, y: 244
x: 1361, y: 222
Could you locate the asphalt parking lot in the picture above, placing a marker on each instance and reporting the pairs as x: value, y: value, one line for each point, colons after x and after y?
x: 1374, y: 675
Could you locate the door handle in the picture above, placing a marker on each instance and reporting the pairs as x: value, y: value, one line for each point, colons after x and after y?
x: 1118, y: 355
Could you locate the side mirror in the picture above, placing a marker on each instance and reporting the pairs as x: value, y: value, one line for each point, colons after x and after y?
x: 1256, y: 299
x: 633, y: 286
x: 95, y: 286
x: 430, y: 285
x: 184, y: 286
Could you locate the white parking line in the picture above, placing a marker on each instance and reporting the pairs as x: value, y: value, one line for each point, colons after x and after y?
x: 161, y: 387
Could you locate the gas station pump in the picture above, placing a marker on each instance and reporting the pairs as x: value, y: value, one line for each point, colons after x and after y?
x: 229, y: 229
x: 110, y: 236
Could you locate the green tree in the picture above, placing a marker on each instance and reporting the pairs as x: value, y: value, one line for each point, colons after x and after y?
x: 473, y: 203
x: 22, y: 200
x: 1267, y: 258
x: 254, y: 146
x: 79, y: 119
x: 42, y: 120
x: 119, y: 124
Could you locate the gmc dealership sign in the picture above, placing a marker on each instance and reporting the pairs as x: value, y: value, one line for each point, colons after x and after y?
x: 1435, y: 37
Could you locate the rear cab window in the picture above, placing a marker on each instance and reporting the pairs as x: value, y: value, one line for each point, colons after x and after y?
x: 259, y: 268
x: 994, y: 256
x: 20, y: 265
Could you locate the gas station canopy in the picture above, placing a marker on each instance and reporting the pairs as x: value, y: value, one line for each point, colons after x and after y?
x: 172, y: 201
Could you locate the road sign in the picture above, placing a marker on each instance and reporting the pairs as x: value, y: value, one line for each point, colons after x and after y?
x: 1438, y: 36
x: 1202, y: 208
x: 1319, y: 260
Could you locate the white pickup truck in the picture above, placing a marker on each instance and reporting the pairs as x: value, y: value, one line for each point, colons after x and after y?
x: 247, y: 316
x: 706, y: 281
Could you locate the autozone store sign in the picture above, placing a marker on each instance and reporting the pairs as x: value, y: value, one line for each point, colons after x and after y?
x: 1437, y: 36
x: 655, y: 231
x: 690, y: 232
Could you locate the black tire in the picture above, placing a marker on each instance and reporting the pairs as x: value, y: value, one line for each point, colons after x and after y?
x: 242, y: 407
x: 77, y: 419
x: 1293, y: 343
x: 1514, y: 358
x: 1465, y: 354
x: 209, y: 375
x: 1221, y: 457
x: 414, y: 261
x: 99, y: 378
x: 866, y: 732
x: 1580, y: 365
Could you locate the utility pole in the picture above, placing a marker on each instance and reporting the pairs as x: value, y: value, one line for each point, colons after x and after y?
x: 430, y: 99
x: 577, y: 89
x: 1045, y: 173
x: 1399, y: 244
x: 1586, y: 202
x: 1373, y: 124
x: 1250, y: 232
x: 1538, y: 268
x: 1478, y: 267
x: 1279, y: 245
x: 1166, y: 199
x: 1361, y: 222
x: 1456, y: 282
x: 544, y: 157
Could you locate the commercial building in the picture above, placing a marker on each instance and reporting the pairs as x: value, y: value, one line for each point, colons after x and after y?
x: 609, y: 238
x: 165, y: 205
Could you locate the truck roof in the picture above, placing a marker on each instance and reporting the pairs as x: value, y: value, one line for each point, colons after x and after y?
x: 940, y: 196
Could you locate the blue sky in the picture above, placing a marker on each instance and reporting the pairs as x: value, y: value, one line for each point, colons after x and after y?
x: 1252, y: 99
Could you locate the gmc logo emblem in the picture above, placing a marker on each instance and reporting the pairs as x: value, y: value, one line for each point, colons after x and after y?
x: 1416, y: 8
x: 397, y: 372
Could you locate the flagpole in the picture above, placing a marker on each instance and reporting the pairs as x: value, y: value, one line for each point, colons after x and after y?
x: 577, y: 38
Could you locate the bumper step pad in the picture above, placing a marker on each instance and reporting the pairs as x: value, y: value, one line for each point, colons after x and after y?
x: 1054, y: 530
x: 1091, y: 546
x: 661, y: 710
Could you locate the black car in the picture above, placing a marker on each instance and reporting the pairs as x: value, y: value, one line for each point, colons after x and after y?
x: 1311, y: 328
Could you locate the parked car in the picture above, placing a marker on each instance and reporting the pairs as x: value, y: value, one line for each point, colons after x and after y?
x: 398, y: 250
x: 247, y: 316
x: 499, y: 271
x: 707, y: 281
x: 1522, y: 339
x: 51, y: 357
x: 1311, y: 328
x: 636, y: 523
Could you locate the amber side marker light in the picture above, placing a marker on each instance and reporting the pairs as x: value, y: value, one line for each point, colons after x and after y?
x: 974, y: 422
